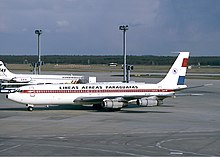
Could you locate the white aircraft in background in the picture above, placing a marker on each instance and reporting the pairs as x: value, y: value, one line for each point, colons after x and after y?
x: 28, y: 79
x: 110, y: 95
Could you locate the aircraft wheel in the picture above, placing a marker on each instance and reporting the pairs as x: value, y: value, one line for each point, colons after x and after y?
x: 30, y: 108
x: 113, y: 109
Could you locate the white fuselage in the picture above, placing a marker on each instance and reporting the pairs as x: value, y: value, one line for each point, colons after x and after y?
x: 109, y: 94
x: 46, y: 79
x: 72, y: 94
x: 24, y: 79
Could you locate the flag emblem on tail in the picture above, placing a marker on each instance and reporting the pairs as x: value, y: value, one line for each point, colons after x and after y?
x: 181, y: 80
x: 185, y: 62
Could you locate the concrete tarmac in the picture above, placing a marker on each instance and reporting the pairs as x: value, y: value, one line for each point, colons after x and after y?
x: 185, y: 126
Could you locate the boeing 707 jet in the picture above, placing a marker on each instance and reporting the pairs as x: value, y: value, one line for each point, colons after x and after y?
x: 109, y: 95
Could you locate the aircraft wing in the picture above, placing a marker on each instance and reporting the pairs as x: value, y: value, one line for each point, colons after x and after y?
x: 98, y: 100
x: 125, y: 99
x: 89, y: 100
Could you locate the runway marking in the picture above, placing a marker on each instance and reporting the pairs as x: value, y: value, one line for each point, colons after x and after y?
x: 87, y: 148
x: 159, y: 145
x: 176, y: 153
x: 61, y: 137
x: 3, y: 150
x: 103, y: 134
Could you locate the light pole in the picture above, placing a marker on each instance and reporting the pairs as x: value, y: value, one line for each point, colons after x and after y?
x: 38, y: 32
x: 124, y: 28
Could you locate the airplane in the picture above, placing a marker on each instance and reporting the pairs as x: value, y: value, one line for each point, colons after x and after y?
x: 107, y: 95
x: 29, y: 79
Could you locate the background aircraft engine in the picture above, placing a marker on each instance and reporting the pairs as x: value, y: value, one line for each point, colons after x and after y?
x: 21, y: 79
x: 112, y: 103
x: 151, y: 101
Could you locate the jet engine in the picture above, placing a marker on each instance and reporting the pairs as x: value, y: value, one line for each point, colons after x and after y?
x: 150, y: 101
x: 113, y: 104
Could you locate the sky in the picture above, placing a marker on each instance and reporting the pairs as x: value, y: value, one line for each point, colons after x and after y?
x: 91, y: 27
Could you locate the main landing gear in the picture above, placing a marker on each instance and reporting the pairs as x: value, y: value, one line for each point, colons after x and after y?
x: 30, y: 107
x: 97, y: 106
x: 100, y: 107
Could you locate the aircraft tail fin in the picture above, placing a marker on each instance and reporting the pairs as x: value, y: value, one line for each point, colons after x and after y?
x: 5, y: 74
x: 175, y: 78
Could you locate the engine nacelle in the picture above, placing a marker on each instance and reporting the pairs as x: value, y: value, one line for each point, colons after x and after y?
x: 150, y: 101
x: 112, y: 103
x: 21, y: 79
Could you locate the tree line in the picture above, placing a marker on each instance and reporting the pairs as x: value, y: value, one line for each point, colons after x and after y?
x: 91, y: 59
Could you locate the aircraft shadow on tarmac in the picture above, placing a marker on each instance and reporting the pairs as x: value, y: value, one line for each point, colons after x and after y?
x: 129, y: 111
x: 86, y: 108
x: 41, y: 108
x: 13, y: 109
x: 90, y: 108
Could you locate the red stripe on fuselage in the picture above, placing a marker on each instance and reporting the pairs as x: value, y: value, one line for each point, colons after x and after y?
x: 97, y: 91
x: 185, y: 62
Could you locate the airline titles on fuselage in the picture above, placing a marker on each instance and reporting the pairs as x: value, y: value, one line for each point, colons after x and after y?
x: 97, y: 87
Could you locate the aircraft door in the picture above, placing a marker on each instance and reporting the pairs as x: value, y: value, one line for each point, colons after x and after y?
x: 160, y: 90
x: 31, y: 90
